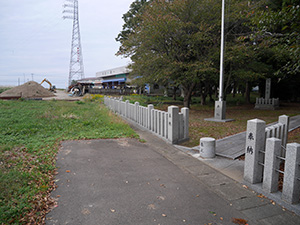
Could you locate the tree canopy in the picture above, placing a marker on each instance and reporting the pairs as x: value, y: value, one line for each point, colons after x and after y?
x: 177, y: 42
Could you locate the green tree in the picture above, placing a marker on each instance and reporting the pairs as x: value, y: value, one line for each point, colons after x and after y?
x: 131, y: 21
x: 276, y: 27
x: 175, y: 41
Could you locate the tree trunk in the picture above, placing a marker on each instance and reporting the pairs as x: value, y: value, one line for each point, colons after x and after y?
x: 210, y: 93
x: 203, y: 90
x: 203, y: 99
x: 187, y: 90
x: 174, y: 92
x: 247, y: 96
x: 234, y: 90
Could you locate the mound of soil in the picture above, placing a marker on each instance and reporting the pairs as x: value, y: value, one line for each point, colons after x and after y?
x: 30, y: 89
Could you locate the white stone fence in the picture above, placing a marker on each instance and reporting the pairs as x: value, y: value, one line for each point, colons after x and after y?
x: 264, y: 103
x: 172, y: 126
x: 266, y: 150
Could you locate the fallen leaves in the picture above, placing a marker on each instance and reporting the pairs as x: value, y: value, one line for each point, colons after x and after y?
x: 245, y: 186
x: 261, y: 196
x: 85, y: 212
x: 239, y: 221
x: 151, y: 207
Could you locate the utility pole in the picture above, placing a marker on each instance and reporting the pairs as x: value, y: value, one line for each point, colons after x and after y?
x: 76, y: 70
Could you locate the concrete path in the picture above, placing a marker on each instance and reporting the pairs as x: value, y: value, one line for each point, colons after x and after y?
x: 233, y: 146
x: 124, y: 181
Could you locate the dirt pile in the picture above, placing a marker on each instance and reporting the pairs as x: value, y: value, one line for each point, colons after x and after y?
x: 30, y: 89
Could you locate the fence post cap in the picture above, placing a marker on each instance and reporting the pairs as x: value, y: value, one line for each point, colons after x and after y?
x: 256, y: 121
x: 296, y: 145
x: 273, y: 139
x: 283, y: 116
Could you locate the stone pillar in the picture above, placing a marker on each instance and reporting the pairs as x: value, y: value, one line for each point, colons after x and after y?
x: 166, y: 125
x: 181, y: 126
x: 255, y: 141
x: 272, y: 163
x: 220, y: 110
x: 291, y: 184
x: 145, y: 117
x: 127, y: 108
x: 173, y: 124
x: 150, y: 107
x: 158, y: 122
x: 118, y: 102
x: 136, y: 111
x: 152, y: 120
x: 285, y: 120
x: 185, y: 112
x: 162, y: 124
x: 268, y: 88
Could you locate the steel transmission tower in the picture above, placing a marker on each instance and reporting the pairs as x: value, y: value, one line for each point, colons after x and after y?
x: 76, y: 70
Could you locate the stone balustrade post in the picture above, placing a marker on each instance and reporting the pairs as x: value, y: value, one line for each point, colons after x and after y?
x: 150, y: 107
x: 185, y: 112
x: 291, y: 182
x: 173, y: 121
x: 272, y: 163
x: 255, y: 141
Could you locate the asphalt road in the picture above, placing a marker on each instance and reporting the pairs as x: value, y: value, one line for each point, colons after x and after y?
x: 123, y: 181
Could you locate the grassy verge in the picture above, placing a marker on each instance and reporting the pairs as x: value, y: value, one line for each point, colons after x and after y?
x: 29, y: 139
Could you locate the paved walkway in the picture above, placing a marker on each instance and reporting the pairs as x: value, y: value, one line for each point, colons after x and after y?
x: 123, y: 181
x: 233, y: 146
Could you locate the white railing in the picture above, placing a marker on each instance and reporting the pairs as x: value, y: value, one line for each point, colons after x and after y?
x: 172, y: 125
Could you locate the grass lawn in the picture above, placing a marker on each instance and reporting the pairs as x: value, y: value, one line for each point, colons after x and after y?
x: 236, y: 109
x: 30, y: 136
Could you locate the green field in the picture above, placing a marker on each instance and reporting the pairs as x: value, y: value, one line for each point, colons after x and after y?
x: 30, y: 136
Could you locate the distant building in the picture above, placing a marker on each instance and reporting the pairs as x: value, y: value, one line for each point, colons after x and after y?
x: 108, y: 79
x: 115, y: 81
x: 114, y: 78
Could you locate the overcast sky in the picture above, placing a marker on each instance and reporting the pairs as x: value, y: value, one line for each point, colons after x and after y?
x: 36, y: 42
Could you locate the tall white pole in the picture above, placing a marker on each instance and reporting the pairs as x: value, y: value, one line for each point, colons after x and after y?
x: 222, y: 54
x: 220, y: 106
